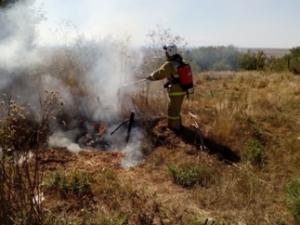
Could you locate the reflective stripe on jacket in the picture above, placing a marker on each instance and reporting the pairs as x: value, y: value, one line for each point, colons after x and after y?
x: 174, y: 117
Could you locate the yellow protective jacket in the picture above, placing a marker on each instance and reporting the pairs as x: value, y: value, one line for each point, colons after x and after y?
x: 168, y: 70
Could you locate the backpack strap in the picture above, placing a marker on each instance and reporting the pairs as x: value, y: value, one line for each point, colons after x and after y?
x: 176, y: 64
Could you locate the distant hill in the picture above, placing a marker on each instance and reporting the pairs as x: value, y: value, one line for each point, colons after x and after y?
x: 275, y: 52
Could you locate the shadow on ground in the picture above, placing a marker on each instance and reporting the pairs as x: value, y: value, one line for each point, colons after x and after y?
x: 161, y: 135
x: 194, y: 137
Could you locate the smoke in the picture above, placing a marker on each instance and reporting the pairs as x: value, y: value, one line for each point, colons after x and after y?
x: 64, y: 140
x: 17, y: 37
x: 132, y: 152
x: 110, y: 63
x: 88, y: 75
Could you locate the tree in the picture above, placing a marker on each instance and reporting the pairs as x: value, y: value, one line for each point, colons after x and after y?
x: 253, y: 61
x: 5, y: 3
x: 295, y: 52
x: 294, y: 60
x: 213, y: 58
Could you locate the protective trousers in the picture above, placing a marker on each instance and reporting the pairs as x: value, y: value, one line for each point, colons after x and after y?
x: 174, y: 109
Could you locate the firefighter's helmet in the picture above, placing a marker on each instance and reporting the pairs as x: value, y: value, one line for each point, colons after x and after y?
x: 171, y: 50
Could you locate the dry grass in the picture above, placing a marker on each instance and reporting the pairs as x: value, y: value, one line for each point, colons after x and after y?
x: 257, y: 115
x: 235, y: 110
x: 21, y: 139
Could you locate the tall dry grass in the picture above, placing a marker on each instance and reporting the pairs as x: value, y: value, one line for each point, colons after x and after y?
x: 256, y: 114
x: 251, y: 112
x: 22, y: 137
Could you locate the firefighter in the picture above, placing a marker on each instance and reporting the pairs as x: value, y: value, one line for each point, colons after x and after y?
x: 175, y: 90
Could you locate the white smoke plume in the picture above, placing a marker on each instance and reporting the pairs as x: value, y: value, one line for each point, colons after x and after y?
x: 17, y: 36
x: 132, y: 152
x: 87, y: 74
x: 64, y: 140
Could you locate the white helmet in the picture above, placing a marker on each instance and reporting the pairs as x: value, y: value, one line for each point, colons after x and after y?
x: 171, y: 50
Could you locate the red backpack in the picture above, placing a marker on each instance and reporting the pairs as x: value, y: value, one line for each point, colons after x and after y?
x: 185, y: 76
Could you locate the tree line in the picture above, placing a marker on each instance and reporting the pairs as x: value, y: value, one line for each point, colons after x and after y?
x: 6, y: 3
x: 231, y: 58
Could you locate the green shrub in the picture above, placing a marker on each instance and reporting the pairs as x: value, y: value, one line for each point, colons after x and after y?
x: 189, y: 175
x: 213, y: 58
x: 253, y: 61
x: 77, y: 184
x: 253, y: 152
x: 277, y: 64
x: 292, y: 190
x: 294, y: 65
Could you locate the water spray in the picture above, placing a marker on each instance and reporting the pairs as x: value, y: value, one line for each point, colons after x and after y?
x: 134, y: 83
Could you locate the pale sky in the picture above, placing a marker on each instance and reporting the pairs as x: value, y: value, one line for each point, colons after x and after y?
x: 255, y: 23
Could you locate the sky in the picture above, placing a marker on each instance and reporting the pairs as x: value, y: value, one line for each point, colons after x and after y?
x: 255, y: 23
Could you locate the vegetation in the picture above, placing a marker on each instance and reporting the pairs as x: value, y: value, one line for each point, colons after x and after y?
x: 5, y: 3
x: 221, y: 58
x: 207, y: 222
x: 77, y: 184
x: 259, y: 61
x: 253, y: 61
x: 233, y: 109
x: 255, y: 114
x: 230, y: 58
x: 292, y: 190
x: 21, y: 138
x: 294, y: 60
x: 88, y: 218
x: 253, y: 152
x: 189, y: 175
x: 213, y: 58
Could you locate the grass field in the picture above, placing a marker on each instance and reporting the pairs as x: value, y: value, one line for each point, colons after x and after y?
x: 255, y: 114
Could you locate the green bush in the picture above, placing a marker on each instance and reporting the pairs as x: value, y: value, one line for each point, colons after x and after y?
x: 253, y: 152
x: 294, y: 65
x: 277, y: 64
x: 189, y: 175
x: 292, y: 190
x: 213, y: 58
x: 77, y: 184
x: 253, y: 61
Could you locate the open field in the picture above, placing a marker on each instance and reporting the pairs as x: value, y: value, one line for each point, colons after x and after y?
x: 90, y: 136
x: 254, y: 114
